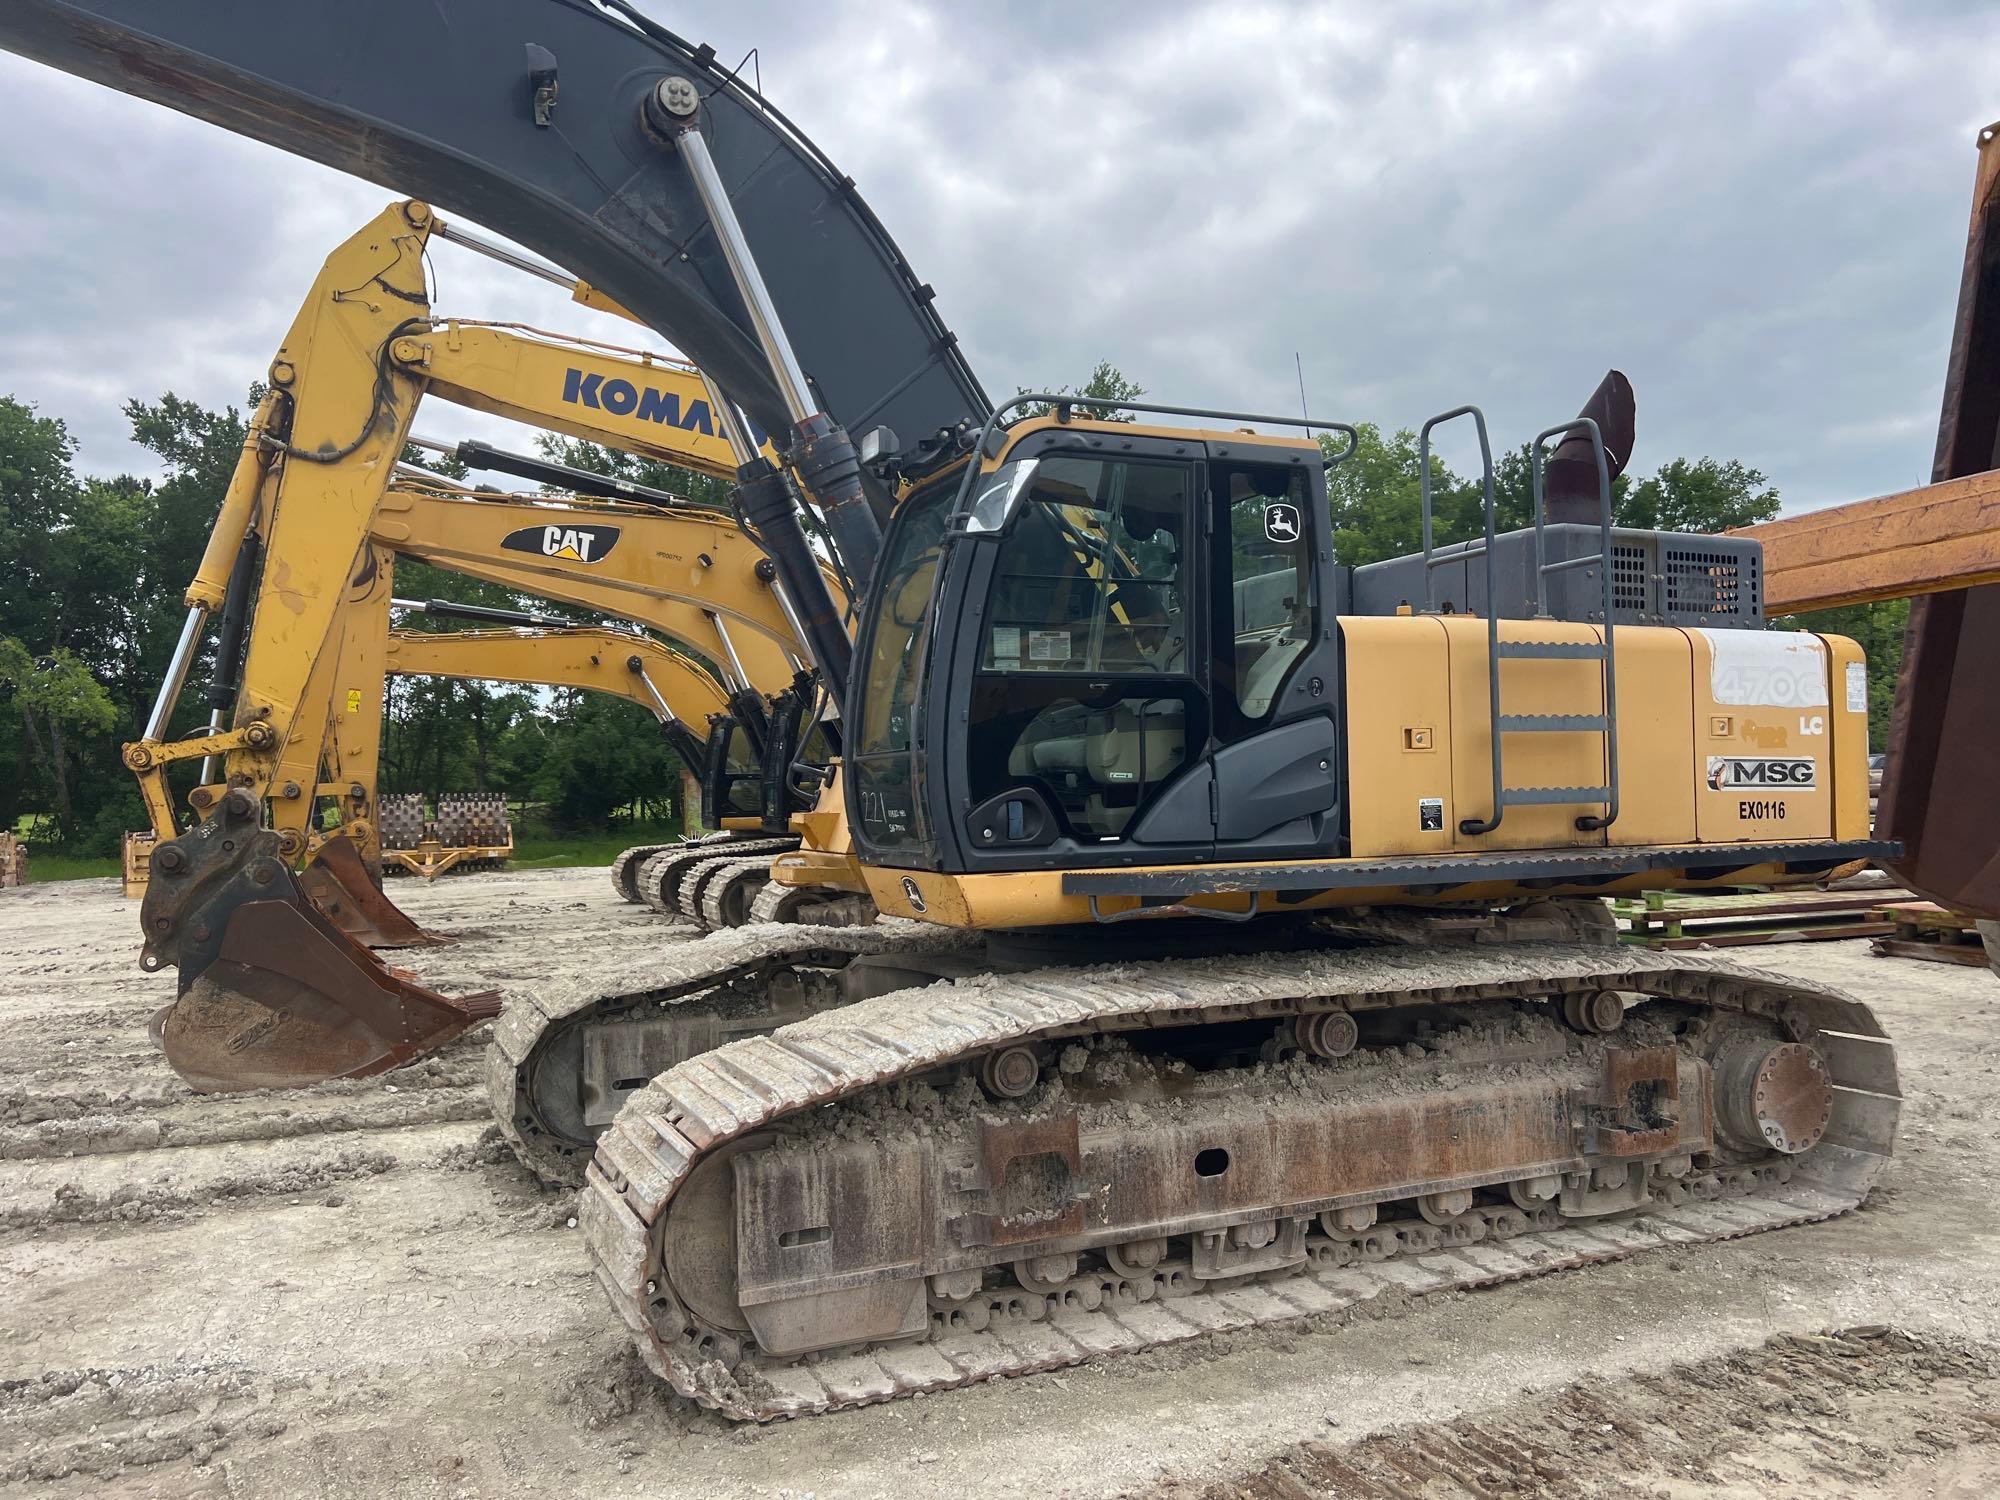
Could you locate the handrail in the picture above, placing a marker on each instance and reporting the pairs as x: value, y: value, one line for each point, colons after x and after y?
x: 1588, y: 427
x: 1063, y: 403
x: 1424, y: 489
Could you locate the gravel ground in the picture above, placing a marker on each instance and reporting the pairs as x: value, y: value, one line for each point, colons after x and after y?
x: 354, y: 1291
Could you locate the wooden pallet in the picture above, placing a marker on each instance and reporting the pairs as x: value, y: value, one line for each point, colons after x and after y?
x: 1925, y: 930
x: 1675, y: 919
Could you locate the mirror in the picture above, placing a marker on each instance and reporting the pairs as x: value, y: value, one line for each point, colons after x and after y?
x: 999, y: 496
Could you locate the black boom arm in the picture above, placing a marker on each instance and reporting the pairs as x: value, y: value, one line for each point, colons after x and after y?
x: 528, y: 116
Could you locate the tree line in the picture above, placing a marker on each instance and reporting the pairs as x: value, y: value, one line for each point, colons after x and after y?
x: 93, y: 568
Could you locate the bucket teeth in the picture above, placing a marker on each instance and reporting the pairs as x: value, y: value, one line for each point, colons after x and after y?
x: 273, y: 994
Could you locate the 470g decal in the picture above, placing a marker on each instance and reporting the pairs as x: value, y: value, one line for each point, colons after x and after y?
x: 584, y: 544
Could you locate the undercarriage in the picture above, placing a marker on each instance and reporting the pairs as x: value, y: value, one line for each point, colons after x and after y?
x: 1011, y: 1171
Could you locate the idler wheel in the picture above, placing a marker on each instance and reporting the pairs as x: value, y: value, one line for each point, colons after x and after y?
x: 698, y: 1240
x: 1009, y: 1073
x: 1328, y: 1033
x: 1600, y: 1012
x: 1772, y: 1096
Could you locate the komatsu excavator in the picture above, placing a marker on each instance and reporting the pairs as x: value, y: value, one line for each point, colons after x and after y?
x: 1254, y: 968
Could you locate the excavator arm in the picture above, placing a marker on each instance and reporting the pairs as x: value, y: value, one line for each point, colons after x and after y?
x: 622, y: 398
x: 657, y: 678
x: 347, y: 382
x: 1936, y: 539
x: 594, y: 554
x: 300, y: 564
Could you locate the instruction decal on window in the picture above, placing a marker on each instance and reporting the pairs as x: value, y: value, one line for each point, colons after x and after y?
x: 1281, y: 522
x: 1006, y: 643
x: 1048, y: 645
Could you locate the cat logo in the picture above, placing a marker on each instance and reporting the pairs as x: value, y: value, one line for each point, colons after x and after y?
x: 912, y: 894
x: 1729, y: 772
x: 581, y: 544
x: 1281, y: 523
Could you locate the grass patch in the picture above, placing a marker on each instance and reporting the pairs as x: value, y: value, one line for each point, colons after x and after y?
x: 43, y: 867
x: 550, y: 851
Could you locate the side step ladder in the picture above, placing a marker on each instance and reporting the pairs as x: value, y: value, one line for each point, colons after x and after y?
x: 1497, y: 650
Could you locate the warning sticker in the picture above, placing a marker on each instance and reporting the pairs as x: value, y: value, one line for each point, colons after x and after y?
x: 1857, y: 687
x: 1007, y: 642
x: 1430, y: 814
x: 1048, y: 645
x: 354, y: 700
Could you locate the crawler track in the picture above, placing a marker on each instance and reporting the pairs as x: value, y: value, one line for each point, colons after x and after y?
x: 625, y: 870
x: 668, y: 880
x: 741, y: 1093
x: 725, y: 985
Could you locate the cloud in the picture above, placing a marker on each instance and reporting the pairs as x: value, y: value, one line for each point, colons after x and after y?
x: 1757, y: 212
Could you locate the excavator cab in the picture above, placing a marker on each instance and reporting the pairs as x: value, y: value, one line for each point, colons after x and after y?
x: 764, y: 766
x: 1119, y: 668
x: 732, y: 784
x: 1141, y: 624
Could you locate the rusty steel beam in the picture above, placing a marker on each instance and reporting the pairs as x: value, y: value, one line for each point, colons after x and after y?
x: 1922, y: 541
x: 1939, y: 787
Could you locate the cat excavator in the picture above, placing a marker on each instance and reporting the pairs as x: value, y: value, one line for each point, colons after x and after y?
x: 1251, y: 966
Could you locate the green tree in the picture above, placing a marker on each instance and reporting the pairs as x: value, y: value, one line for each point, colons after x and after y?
x: 1375, y: 495
x: 1107, y: 383
x: 38, y: 491
x: 602, y: 754
x: 57, y: 704
x: 1700, y: 494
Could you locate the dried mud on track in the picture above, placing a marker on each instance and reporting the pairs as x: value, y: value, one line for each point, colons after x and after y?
x: 355, y: 1291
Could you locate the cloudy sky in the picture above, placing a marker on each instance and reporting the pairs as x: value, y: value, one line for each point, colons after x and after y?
x: 1757, y: 211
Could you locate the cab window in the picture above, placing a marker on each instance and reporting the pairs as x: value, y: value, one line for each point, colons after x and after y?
x: 1092, y: 575
x: 1270, y: 583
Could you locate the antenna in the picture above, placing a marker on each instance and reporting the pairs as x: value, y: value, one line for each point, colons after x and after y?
x: 1299, y: 365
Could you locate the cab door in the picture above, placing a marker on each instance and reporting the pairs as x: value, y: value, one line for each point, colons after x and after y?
x: 1081, y: 636
x: 1274, y: 761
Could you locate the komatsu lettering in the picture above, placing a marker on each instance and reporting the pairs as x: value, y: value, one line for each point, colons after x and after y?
x: 623, y: 399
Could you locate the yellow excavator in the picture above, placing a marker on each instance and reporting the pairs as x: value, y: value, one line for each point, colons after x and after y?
x: 723, y: 608
x: 1252, y: 967
x: 689, y: 572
